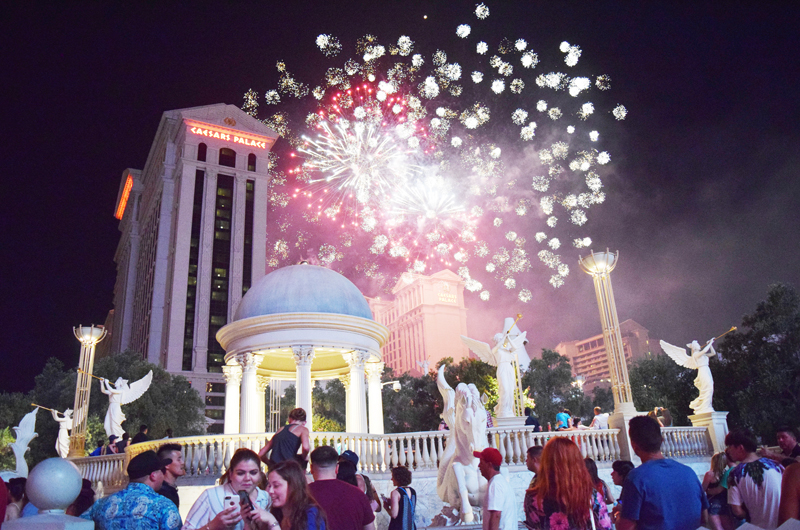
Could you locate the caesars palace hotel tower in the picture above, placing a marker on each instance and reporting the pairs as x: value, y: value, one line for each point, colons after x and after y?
x: 193, y: 225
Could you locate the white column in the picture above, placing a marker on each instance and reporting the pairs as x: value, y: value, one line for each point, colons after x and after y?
x: 202, y: 302
x: 261, y: 383
x: 233, y: 379
x: 303, y: 356
x: 358, y: 399
x: 374, y: 371
x: 345, y: 379
x: 249, y: 411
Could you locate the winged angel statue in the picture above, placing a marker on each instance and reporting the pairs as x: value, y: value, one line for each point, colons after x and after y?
x: 697, y: 360
x: 509, y: 347
x: 458, y: 482
x: 119, y: 393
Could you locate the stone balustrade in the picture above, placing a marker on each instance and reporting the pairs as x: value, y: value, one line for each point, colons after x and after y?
x: 513, y: 443
x: 683, y: 442
x: 109, y: 469
x: 209, y: 455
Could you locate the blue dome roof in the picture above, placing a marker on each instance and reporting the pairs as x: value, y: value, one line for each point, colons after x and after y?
x: 303, y: 289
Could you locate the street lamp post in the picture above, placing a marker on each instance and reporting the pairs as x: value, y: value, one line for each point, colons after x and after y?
x: 88, y: 336
x: 599, y: 266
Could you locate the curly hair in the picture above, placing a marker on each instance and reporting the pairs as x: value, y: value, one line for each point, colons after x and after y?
x: 402, y: 475
x: 564, y: 480
x: 298, y: 497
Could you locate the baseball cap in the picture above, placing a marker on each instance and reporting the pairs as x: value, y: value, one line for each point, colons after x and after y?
x: 112, y: 437
x: 145, y: 463
x: 351, y: 456
x: 491, y: 455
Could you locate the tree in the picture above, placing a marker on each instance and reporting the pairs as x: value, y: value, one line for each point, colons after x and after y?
x: 416, y: 407
x: 549, y: 380
x: 330, y: 402
x: 603, y: 398
x: 660, y: 382
x: 757, y: 377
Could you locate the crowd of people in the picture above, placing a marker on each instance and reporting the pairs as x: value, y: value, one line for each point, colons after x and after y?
x: 744, y: 483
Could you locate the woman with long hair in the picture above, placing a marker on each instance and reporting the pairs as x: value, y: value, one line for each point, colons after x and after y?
x: 715, y: 485
x: 599, y: 484
x: 563, y: 495
x: 293, y: 506
x: 237, y: 503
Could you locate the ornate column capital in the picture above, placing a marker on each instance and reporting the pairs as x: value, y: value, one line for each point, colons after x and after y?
x: 356, y: 359
x: 374, y: 370
x: 303, y: 355
x: 345, y: 379
x: 232, y: 373
x: 262, y: 382
x: 249, y: 361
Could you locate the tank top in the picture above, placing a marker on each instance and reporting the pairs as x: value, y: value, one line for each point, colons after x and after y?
x: 284, y: 445
x: 405, y: 516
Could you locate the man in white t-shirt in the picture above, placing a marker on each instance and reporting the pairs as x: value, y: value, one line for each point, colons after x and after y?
x: 754, y: 486
x: 600, y: 420
x: 499, y: 504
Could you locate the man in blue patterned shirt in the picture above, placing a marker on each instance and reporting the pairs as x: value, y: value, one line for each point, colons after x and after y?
x: 138, y: 507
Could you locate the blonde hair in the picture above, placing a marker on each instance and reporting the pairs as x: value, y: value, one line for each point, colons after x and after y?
x: 719, y: 462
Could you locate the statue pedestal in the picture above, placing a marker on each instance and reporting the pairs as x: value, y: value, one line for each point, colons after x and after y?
x: 717, y: 425
x: 511, y: 421
x: 619, y: 420
x: 49, y: 521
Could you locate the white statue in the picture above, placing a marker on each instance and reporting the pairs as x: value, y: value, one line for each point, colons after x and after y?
x: 121, y: 394
x: 64, y: 426
x: 24, y: 433
x: 459, y: 483
x: 508, y: 347
x: 698, y: 360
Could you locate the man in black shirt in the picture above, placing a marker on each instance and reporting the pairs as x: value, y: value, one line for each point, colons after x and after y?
x: 141, y: 436
x: 171, y: 473
x: 790, y: 449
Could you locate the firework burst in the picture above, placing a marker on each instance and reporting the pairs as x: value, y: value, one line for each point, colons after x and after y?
x: 412, y: 161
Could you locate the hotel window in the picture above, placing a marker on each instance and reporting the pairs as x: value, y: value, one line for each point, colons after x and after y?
x: 227, y: 157
x: 220, y: 268
x: 202, y: 149
x: 251, y: 162
x: 191, y: 281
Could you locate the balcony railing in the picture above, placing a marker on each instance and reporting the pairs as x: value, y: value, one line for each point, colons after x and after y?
x: 209, y: 455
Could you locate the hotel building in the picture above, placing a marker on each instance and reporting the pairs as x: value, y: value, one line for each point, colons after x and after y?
x: 588, y: 357
x: 425, y: 321
x: 193, y: 235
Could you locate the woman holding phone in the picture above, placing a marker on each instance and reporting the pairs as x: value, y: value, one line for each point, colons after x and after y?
x: 237, y: 503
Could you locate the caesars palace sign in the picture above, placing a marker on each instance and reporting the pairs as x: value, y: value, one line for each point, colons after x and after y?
x: 236, y: 138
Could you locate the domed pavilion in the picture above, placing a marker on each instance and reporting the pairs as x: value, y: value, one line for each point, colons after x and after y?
x: 302, y: 323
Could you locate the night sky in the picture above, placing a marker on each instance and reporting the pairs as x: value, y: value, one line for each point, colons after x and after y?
x: 702, y: 199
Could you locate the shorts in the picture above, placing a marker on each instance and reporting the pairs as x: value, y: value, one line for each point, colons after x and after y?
x: 718, y: 504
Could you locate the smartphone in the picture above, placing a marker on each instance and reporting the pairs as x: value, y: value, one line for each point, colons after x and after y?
x: 244, y: 499
x: 231, y: 502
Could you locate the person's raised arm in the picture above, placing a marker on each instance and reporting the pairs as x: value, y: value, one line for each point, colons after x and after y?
x: 305, y: 443
x: 262, y: 453
x: 790, y: 495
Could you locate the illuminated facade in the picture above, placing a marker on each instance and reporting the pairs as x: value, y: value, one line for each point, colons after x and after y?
x: 425, y: 320
x: 588, y: 357
x: 193, y: 226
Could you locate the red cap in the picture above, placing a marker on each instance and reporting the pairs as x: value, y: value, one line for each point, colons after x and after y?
x: 491, y: 455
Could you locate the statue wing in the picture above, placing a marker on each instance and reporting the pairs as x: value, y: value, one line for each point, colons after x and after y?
x: 481, y: 349
x: 136, y: 389
x: 449, y: 397
x: 679, y: 355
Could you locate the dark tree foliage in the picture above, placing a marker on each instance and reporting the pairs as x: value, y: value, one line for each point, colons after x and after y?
x: 660, y: 382
x: 330, y: 402
x: 169, y: 402
x: 550, y: 381
x: 757, y: 378
x: 603, y: 398
x: 416, y: 407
